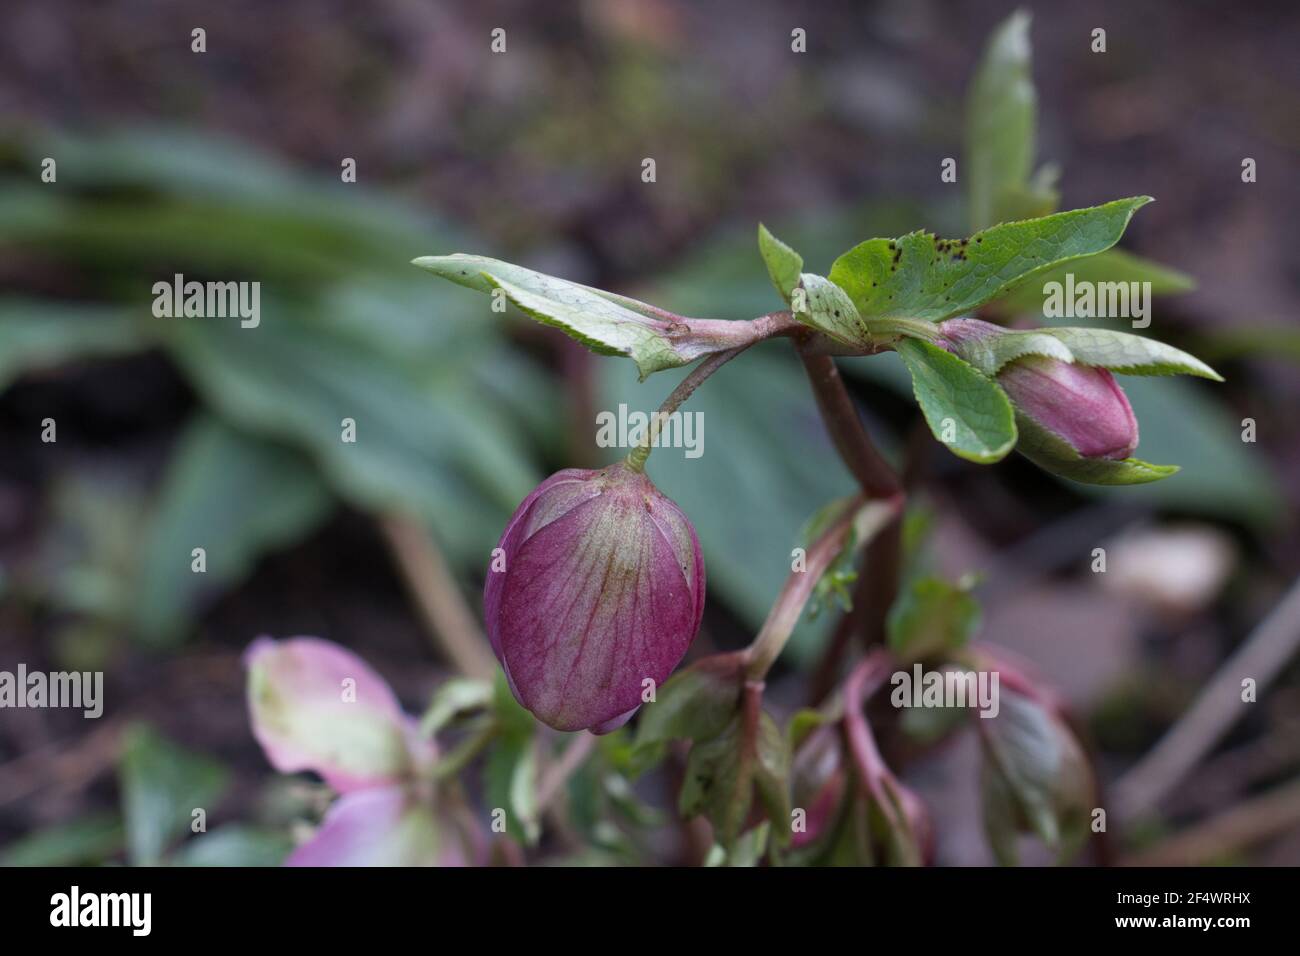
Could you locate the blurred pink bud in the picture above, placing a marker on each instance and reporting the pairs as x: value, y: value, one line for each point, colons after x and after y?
x: 598, y: 587
x: 1079, y: 404
x: 316, y: 706
x: 818, y: 782
x: 385, y: 826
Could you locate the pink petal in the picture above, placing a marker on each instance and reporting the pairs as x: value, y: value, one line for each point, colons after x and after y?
x: 381, y: 827
x: 316, y: 706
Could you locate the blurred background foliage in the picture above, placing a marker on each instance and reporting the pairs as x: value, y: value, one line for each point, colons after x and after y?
x: 178, y: 433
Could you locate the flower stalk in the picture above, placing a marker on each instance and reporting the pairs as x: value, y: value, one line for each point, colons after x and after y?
x: 636, y: 458
x: 866, y: 519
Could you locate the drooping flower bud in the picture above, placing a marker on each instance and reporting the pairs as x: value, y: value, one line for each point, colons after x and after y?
x: 1056, y: 402
x: 1035, y: 777
x: 597, y: 585
x: 818, y: 783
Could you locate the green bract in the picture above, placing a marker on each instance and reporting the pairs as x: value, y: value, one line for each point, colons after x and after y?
x: 965, y: 409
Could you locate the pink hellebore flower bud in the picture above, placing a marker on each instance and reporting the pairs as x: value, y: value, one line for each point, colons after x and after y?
x: 597, y: 585
x: 818, y: 783
x: 1078, y: 404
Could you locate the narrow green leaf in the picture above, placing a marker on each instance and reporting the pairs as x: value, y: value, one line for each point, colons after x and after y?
x: 1000, y: 121
x: 235, y: 844
x: 89, y: 840
x: 523, y: 794
x: 162, y: 785
x: 603, y: 326
x: 604, y: 322
x: 783, y: 263
x: 772, y: 776
x: 920, y: 276
x: 967, y: 411
x: 1130, y: 354
x: 36, y: 335
x: 1121, y: 352
x: 696, y: 703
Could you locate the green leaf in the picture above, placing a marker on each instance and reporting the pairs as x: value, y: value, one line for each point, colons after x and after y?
x: 931, y: 618
x: 604, y: 322
x: 1034, y: 778
x: 232, y: 494
x: 166, y: 197
x: 1053, y: 454
x: 89, y: 840
x: 922, y: 277
x: 719, y: 782
x: 965, y: 410
x: 35, y: 335
x: 455, y: 696
x: 821, y: 304
x: 523, y: 794
x: 802, y: 723
x: 748, y: 851
x: 783, y: 263
x: 162, y: 785
x: 1000, y: 121
x: 696, y: 703
x: 772, y: 777
x: 750, y: 757
x: 235, y: 844
x: 508, y: 776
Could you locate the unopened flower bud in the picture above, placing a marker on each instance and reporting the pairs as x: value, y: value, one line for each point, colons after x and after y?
x: 601, y: 590
x: 1080, y: 405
